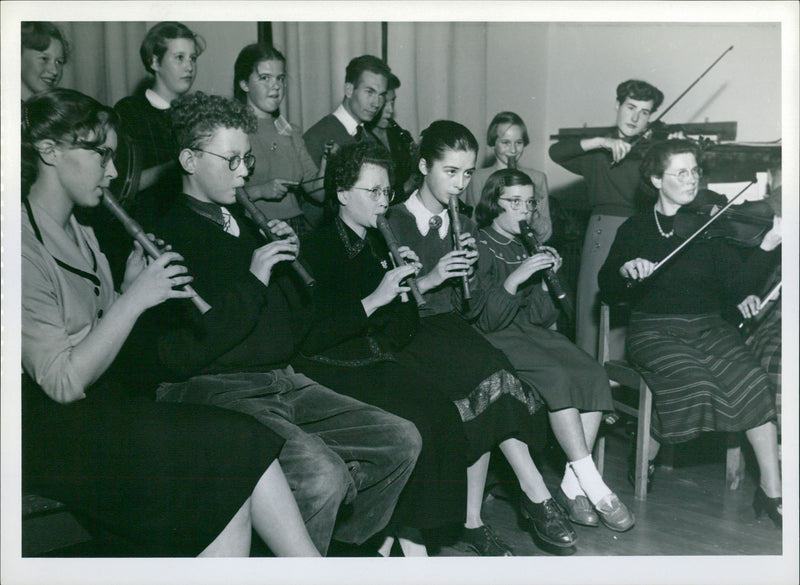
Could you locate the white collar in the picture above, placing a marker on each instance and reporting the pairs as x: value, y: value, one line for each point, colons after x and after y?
x: 348, y: 121
x: 423, y: 216
x: 156, y: 100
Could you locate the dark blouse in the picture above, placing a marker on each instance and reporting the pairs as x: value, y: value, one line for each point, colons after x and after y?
x: 348, y: 269
x: 705, y: 277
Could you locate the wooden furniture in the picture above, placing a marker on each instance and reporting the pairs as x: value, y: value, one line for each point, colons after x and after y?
x: 629, y: 379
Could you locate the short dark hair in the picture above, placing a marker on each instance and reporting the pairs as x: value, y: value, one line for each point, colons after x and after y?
x: 636, y: 89
x: 246, y: 64
x: 196, y: 116
x: 444, y: 135
x: 488, y: 207
x: 63, y: 115
x: 656, y: 159
x: 157, y: 39
x: 506, y: 118
x: 37, y: 36
x: 364, y: 63
x: 344, y: 168
x: 393, y: 83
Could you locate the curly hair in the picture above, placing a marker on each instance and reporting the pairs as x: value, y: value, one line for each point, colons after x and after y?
x: 344, y: 168
x: 488, y: 208
x: 156, y: 42
x: 37, y: 36
x: 196, y: 116
x: 62, y: 115
x: 636, y: 89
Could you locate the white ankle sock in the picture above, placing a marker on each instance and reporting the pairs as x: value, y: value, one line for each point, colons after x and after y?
x: 570, y: 484
x: 590, y: 480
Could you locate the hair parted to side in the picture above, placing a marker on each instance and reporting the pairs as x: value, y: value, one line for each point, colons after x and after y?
x: 157, y: 39
x: 639, y: 90
x: 61, y: 115
x: 364, y: 63
x: 393, y: 83
x: 196, y: 116
x: 37, y: 36
x: 344, y: 168
x: 509, y: 118
x: 488, y: 207
x: 246, y: 64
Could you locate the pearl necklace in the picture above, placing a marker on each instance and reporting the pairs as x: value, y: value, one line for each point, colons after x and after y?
x: 658, y: 225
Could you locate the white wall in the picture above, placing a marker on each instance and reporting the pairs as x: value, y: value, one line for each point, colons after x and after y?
x: 587, y: 61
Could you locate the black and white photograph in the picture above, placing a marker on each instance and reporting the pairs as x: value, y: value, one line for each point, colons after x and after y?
x: 301, y: 290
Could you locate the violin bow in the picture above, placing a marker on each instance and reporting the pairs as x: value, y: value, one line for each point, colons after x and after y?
x: 711, y: 220
x: 772, y: 295
x: 676, y: 100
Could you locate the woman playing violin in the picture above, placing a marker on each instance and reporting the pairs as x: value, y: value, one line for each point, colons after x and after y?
x: 702, y: 375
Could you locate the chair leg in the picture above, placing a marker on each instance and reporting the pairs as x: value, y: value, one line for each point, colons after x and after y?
x: 642, y: 442
x: 599, y: 453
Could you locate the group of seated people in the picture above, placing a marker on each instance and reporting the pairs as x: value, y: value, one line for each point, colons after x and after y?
x: 188, y: 400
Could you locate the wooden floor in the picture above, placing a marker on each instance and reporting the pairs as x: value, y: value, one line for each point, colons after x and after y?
x: 688, y: 512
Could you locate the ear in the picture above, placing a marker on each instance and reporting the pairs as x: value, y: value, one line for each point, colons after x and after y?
x: 349, y: 88
x: 154, y: 64
x: 656, y: 181
x: 188, y: 160
x: 47, y: 151
x: 243, y: 86
x: 343, y: 197
x: 423, y: 166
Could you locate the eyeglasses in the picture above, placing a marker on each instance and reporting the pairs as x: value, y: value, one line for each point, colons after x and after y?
x: 684, y: 174
x: 106, y: 153
x: 515, y: 204
x: 234, y: 161
x: 376, y: 192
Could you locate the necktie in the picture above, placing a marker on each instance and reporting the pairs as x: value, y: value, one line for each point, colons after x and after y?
x: 360, y: 133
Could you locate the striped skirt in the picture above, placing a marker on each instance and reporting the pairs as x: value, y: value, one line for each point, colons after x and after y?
x: 702, y: 375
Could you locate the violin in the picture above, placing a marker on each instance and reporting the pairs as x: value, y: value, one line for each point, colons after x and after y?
x: 744, y: 224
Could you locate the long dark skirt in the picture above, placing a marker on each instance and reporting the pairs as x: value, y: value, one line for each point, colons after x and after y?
x: 461, y: 365
x: 165, y: 477
x: 702, y: 375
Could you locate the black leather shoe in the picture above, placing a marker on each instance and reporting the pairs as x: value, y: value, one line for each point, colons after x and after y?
x: 772, y: 506
x: 485, y: 542
x: 548, y: 521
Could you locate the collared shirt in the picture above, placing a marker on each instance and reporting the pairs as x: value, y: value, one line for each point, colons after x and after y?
x: 350, y: 124
x: 215, y: 213
x: 156, y: 100
x: 423, y: 216
x: 282, y: 125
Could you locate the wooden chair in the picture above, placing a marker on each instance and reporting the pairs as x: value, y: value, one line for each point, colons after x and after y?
x: 628, y: 377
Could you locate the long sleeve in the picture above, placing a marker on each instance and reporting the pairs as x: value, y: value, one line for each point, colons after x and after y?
x: 613, y: 287
x: 569, y: 154
x: 500, y: 307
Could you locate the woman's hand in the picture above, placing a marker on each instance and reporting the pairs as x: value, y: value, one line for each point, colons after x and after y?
x: 454, y: 264
x: 637, y: 269
x: 749, y: 307
x: 389, y: 287
x: 411, y: 258
x: 160, y: 280
x: 138, y: 261
x: 772, y: 239
x: 529, y: 267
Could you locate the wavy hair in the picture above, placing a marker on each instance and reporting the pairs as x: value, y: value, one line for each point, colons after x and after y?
x: 62, y: 115
x: 196, y: 116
